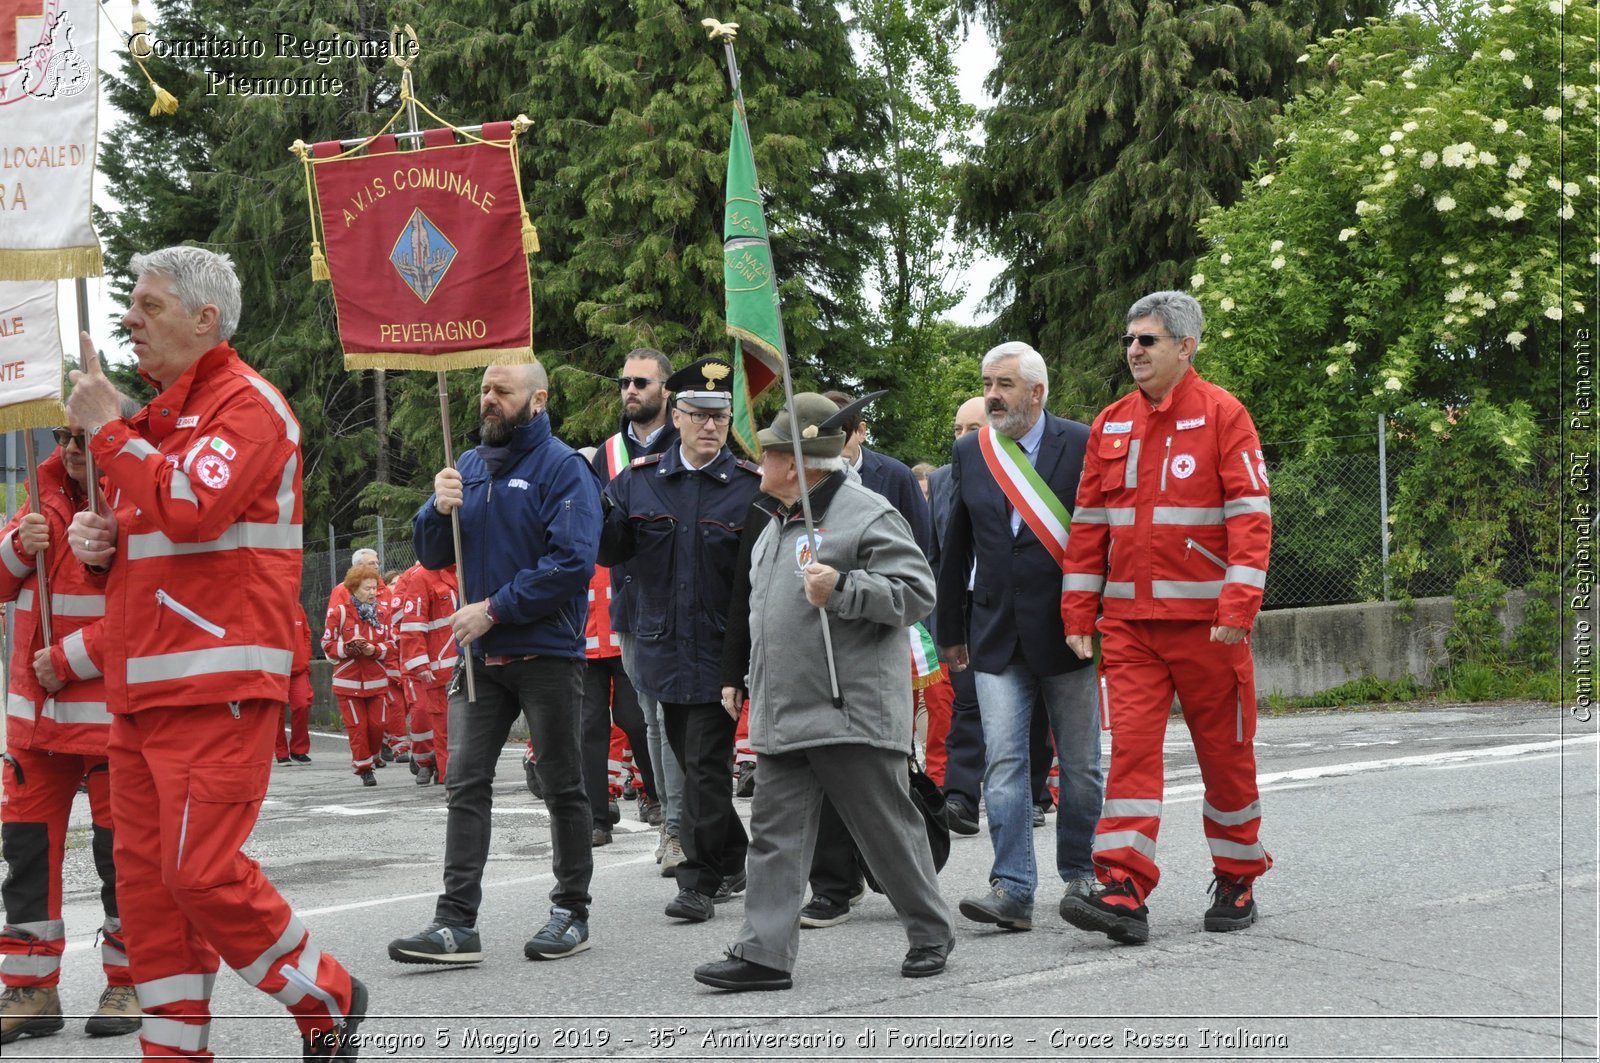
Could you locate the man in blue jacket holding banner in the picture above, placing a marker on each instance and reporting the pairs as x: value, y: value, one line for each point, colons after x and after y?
x: 529, y: 508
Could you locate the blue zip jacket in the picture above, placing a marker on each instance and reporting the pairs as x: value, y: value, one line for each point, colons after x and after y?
x: 529, y: 533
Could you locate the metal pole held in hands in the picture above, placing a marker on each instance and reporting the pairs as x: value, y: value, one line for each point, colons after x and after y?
x: 92, y: 479
x: 31, y: 456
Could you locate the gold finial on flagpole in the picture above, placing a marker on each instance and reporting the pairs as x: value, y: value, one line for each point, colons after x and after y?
x: 720, y: 31
x: 400, y: 51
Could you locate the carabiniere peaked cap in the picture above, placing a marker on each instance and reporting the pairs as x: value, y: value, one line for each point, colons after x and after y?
x: 706, y: 383
x: 821, y: 424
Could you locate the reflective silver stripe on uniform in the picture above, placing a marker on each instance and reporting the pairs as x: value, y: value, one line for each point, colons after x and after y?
x: 422, y: 736
x: 1207, y: 554
x: 1173, y: 588
x: 1230, y: 819
x: 414, y: 626
x: 1244, y: 456
x: 1234, y: 507
x: 1250, y: 577
x: 139, y: 448
x: 294, y: 991
x: 1188, y: 515
x: 77, y: 653
x: 591, y: 642
x: 287, y: 942
x: 1223, y: 849
x: 355, y: 684
x: 1138, y: 841
x: 242, y: 536
x: 89, y: 605
x: 1130, y: 806
x: 77, y: 712
x: 443, y: 621
x: 11, y: 555
x: 160, y: 992
x: 1130, y: 476
x: 1117, y: 589
x: 35, y: 965
x: 411, y: 664
x: 1120, y: 516
x: 165, y: 667
x: 43, y: 929
x: 1078, y: 581
x: 183, y: 488
x: 19, y: 707
x: 1089, y: 515
x: 170, y: 1033
x: 291, y: 427
x: 285, y: 496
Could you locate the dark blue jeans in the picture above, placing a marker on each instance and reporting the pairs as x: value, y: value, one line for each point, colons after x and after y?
x: 548, y: 693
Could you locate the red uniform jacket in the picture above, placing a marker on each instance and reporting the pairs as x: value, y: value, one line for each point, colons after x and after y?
x: 74, y: 719
x: 355, y: 675
x: 428, y: 600
x: 201, y: 595
x: 599, y: 640
x: 1173, y: 519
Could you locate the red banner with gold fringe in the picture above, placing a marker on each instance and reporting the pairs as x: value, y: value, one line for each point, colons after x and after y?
x: 425, y: 250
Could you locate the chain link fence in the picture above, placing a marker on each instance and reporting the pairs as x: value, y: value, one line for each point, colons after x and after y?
x: 326, y: 560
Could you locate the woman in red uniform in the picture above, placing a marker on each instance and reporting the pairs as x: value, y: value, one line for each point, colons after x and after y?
x: 356, y: 640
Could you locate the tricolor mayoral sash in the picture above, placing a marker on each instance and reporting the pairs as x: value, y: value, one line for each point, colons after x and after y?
x: 1041, y: 510
x: 425, y: 250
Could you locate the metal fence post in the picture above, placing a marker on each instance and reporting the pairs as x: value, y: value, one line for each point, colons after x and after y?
x: 1383, y: 498
x: 333, y: 559
x: 381, y: 565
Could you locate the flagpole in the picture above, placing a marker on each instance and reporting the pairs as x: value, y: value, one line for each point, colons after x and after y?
x: 725, y: 32
x: 31, y: 456
x: 92, y: 480
x: 408, y: 94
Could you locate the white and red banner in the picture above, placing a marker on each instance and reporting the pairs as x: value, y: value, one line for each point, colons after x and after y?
x: 30, y: 355
x: 48, y: 127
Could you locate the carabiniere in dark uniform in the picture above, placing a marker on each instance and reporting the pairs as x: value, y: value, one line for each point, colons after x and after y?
x: 679, y: 526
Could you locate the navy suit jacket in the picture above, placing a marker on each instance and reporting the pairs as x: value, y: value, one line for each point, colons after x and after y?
x: 894, y: 480
x: 1016, y: 598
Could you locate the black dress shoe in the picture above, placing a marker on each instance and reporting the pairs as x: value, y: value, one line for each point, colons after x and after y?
x: 300, y: 758
x: 731, y: 884
x: 691, y: 905
x: 959, y: 813
x: 925, y: 960
x: 736, y: 974
x: 283, y: 760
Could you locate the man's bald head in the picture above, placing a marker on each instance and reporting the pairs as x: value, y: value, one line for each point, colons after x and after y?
x: 971, y: 416
x: 511, y: 396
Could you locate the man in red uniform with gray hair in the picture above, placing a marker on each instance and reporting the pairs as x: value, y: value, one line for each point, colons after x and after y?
x: 203, y: 493
x: 1170, y: 537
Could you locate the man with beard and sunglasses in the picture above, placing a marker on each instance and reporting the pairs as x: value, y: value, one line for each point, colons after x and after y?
x: 1012, y: 483
x: 677, y: 517
x: 529, y: 508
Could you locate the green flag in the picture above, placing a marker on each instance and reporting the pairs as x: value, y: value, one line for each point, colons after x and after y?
x: 752, y: 290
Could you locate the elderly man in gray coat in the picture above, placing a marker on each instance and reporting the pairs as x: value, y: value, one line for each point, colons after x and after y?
x: 873, y: 581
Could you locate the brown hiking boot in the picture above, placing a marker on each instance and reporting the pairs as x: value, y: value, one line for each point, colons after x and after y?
x: 31, y: 1010
x: 117, y: 1014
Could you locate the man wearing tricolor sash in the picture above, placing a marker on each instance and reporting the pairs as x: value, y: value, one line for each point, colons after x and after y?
x: 1012, y: 483
x: 1174, y: 533
x: 646, y: 429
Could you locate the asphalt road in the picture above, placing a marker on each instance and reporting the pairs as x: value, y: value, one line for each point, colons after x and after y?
x: 1434, y: 897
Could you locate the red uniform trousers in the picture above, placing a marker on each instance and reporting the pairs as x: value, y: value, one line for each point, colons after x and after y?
x: 419, y: 727
x: 1144, y: 662
x: 39, y: 788
x: 363, y: 725
x: 432, y: 711
x: 189, y: 786
x: 620, y: 768
x: 395, y: 707
x: 299, y: 740
x: 938, y: 697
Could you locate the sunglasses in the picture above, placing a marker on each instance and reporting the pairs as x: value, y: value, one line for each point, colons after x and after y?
x: 639, y: 383
x: 702, y: 416
x: 65, y: 436
x: 1146, y: 339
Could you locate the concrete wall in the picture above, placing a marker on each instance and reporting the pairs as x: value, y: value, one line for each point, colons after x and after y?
x: 1300, y: 652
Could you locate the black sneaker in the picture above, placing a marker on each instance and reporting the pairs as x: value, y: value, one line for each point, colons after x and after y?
x: 613, y: 812
x: 438, y: 943
x: 731, y: 884
x: 738, y: 975
x: 339, y: 1041
x: 822, y: 912
x: 1233, y: 904
x: 1117, y: 911
x: 691, y: 905
x: 564, y: 935
x: 746, y: 787
x: 385, y: 755
x: 367, y: 778
x: 425, y: 775
x: 960, y: 814
x: 283, y: 760
x: 300, y: 758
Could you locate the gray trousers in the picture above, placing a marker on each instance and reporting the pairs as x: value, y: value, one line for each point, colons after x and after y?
x: 668, y: 773
x: 870, y: 788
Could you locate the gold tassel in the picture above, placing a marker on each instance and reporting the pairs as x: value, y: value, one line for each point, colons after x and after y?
x: 166, y: 102
x: 530, y: 236
x: 319, y: 264
x: 139, y: 48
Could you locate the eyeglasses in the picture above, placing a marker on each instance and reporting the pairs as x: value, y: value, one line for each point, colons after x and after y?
x: 65, y: 436
x: 702, y: 416
x: 1146, y: 339
x: 639, y: 383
